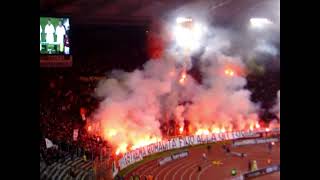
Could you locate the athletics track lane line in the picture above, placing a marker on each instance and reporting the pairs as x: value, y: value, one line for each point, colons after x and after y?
x: 154, y: 166
x: 191, y: 167
x: 193, y: 171
x: 166, y: 167
x: 204, y: 169
x: 151, y: 164
x: 197, y: 164
x: 182, y: 167
x: 145, y: 167
x: 173, y: 163
x: 177, y: 166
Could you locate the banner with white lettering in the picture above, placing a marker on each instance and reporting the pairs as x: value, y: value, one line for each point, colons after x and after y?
x: 254, y: 141
x: 261, y: 172
x: 179, y: 142
x: 175, y: 156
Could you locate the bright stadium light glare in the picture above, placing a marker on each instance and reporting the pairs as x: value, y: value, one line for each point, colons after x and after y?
x: 259, y: 23
x: 183, y: 19
x: 188, y: 34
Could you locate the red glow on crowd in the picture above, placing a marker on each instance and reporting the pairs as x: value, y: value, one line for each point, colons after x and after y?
x: 181, y: 130
x: 138, y: 142
x: 183, y: 78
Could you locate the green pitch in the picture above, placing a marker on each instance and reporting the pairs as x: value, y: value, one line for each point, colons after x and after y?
x: 43, y: 23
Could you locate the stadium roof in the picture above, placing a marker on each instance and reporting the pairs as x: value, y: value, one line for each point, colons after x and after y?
x: 143, y: 11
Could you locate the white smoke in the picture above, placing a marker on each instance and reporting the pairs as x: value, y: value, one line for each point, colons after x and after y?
x: 222, y: 100
x: 131, y: 104
x: 276, y: 108
x: 135, y: 104
x: 267, y: 48
x: 220, y: 40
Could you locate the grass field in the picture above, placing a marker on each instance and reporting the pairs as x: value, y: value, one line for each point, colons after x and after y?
x: 44, y: 22
x: 51, y: 48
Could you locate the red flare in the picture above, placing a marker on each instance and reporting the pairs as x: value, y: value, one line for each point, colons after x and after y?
x: 229, y: 72
x: 181, y: 130
x: 183, y: 78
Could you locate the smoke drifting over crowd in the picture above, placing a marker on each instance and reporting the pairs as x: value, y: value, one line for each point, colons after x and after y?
x: 139, y: 107
x: 276, y: 108
x: 138, y: 103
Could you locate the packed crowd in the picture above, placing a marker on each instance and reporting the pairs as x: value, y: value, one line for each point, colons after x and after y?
x: 64, y: 99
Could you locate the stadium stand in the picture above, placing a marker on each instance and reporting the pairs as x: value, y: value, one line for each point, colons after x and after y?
x: 59, y: 171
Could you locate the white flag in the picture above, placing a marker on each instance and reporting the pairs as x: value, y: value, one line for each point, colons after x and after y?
x: 83, y: 116
x: 75, y: 134
x: 49, y: 143
x: 114, y: 169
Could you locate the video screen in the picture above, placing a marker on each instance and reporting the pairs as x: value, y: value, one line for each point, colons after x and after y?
x: 54, y: 36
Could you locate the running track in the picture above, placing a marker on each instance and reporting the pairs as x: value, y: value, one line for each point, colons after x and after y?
x: 187, y: 168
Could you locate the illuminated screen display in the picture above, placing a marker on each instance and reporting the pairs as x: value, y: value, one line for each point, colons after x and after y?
x: 54, y: 36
